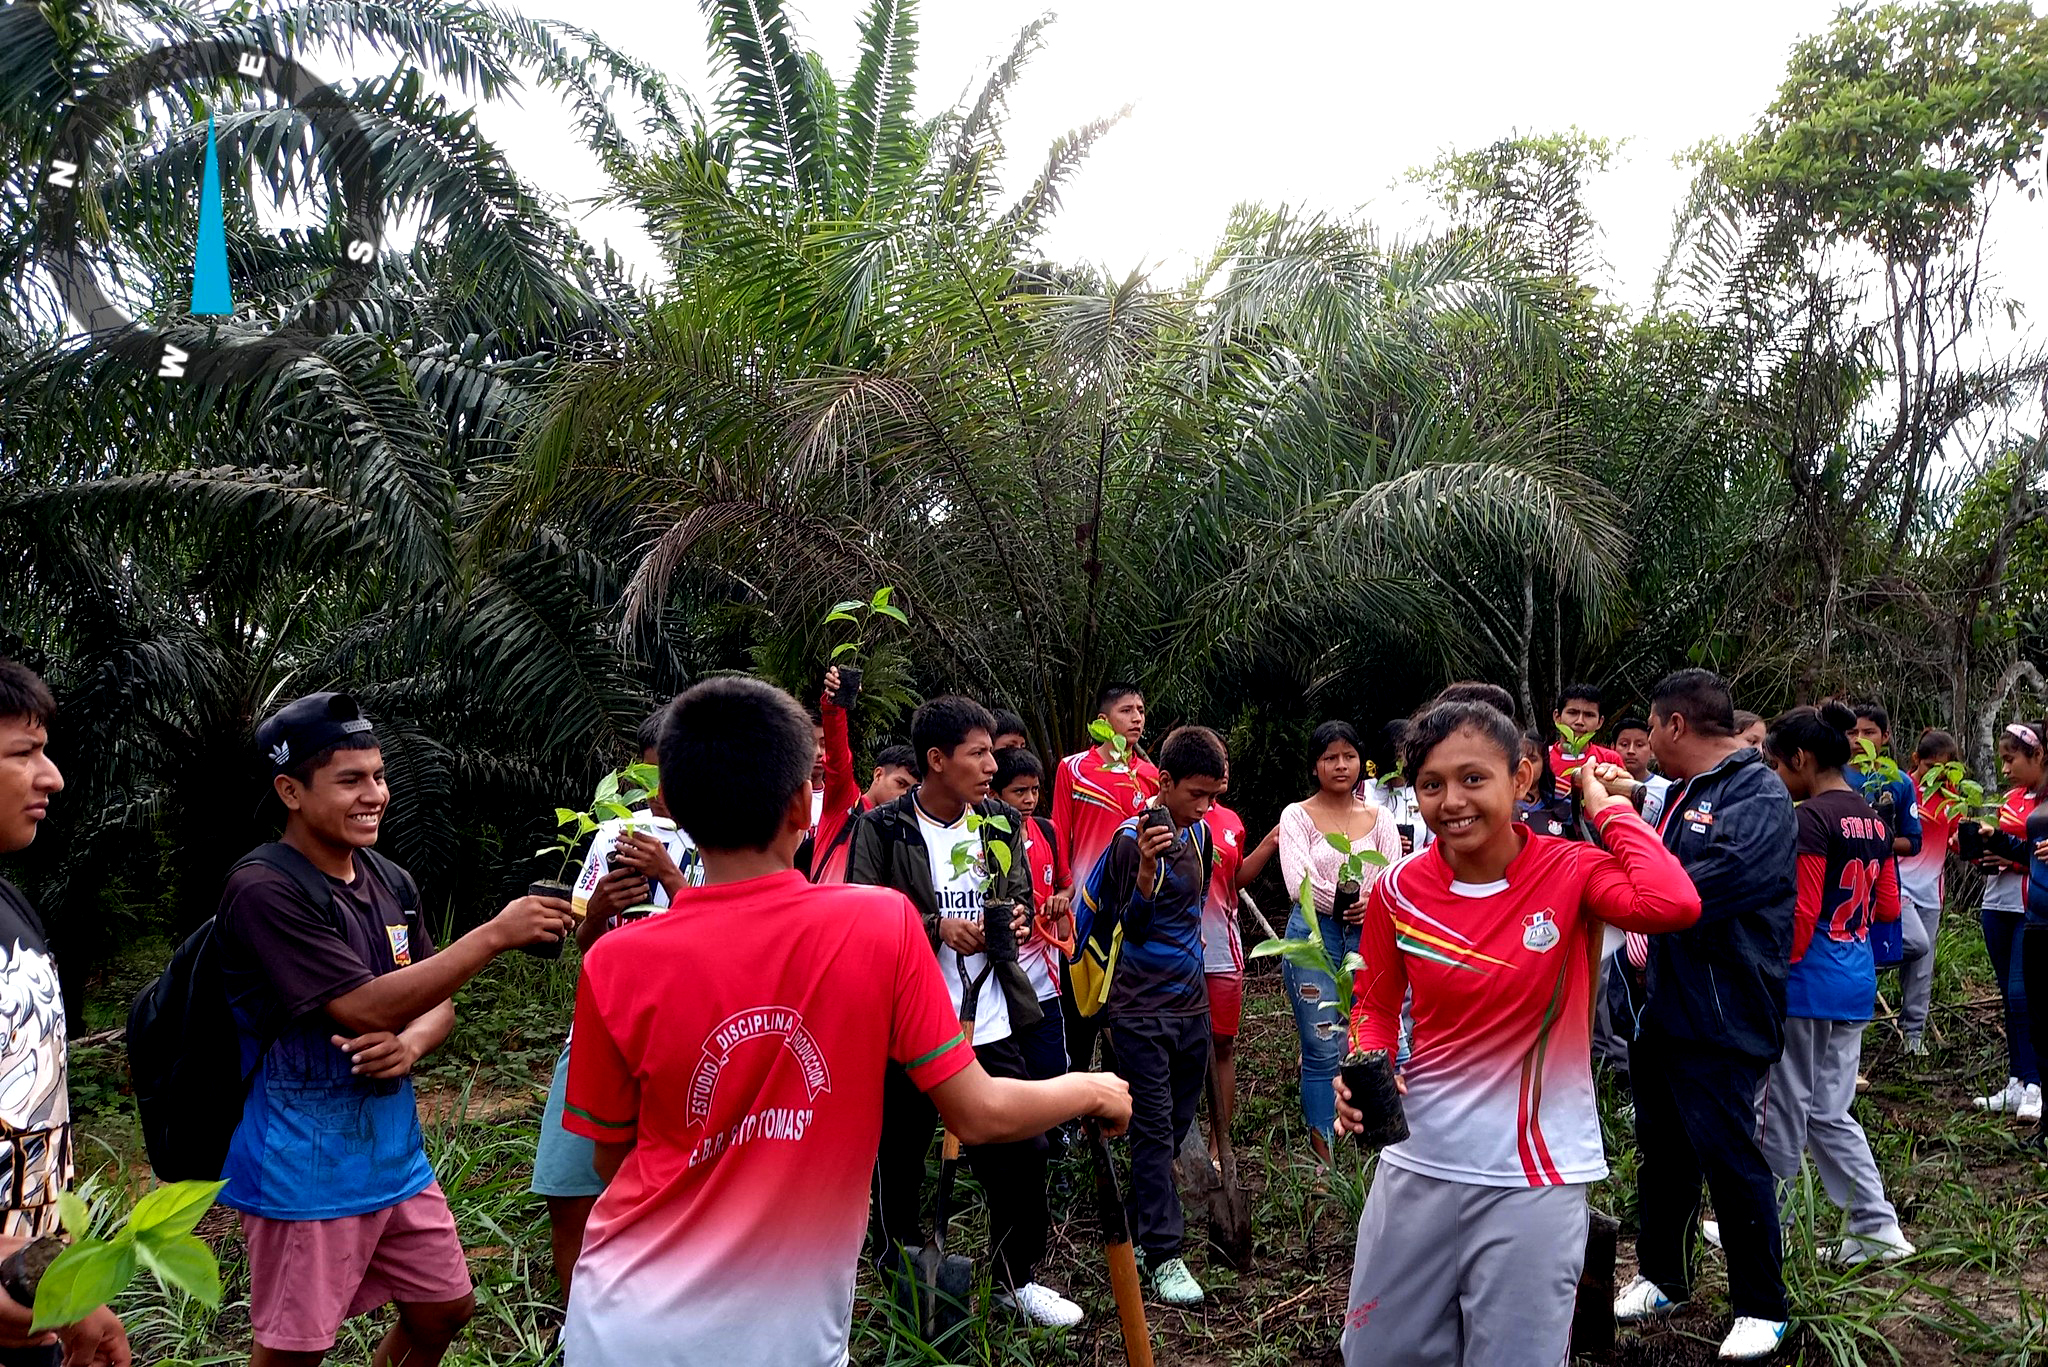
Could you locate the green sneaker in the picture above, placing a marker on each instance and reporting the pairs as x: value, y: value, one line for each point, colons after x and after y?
x: 1175, y: 1285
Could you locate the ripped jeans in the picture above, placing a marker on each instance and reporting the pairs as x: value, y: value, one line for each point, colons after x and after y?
x: 1322, y: 1027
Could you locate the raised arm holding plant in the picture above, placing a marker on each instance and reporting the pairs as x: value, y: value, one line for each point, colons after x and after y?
x: 860, y: 615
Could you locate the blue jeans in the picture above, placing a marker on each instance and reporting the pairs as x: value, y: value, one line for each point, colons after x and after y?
x: 1322, y: 1027
x: 2002, y: 940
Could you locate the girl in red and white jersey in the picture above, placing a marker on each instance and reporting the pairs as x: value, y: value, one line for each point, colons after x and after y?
x: 2023, y: 757
x: 1474, y: 1232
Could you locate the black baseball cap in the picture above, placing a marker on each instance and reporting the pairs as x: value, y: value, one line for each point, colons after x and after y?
x: 306, y: 726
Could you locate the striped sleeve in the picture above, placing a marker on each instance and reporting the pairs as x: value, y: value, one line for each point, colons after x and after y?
x: 603, y: 1101
x: 924, y: 1030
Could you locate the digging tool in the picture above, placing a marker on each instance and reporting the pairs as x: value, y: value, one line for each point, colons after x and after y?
x: 945, y: 1281
x: 1245, y: 902
x: 1122, y: 1258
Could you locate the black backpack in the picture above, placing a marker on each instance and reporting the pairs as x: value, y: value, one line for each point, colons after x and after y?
x: 184, y: 1052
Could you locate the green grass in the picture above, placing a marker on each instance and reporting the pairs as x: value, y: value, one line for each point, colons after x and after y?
x: 1974, y: 1294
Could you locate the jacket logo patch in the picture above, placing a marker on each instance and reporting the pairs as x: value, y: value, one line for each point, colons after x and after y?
x: 401, y: 944
x: 1700, y: 817
x: 1540, y: 932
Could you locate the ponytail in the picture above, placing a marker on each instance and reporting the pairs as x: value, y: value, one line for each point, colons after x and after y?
x: 1822, y: 732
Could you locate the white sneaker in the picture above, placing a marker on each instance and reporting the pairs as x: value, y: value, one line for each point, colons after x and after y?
x: 2030, y: 1102
x: 2005, y: 1100
x: 1640, y: 1300
x: 1041, y: 1305
x: 1750, y: 1339
x: 1916, y: 1046
x: 1710, y: 1230
x: 1888, y: 1245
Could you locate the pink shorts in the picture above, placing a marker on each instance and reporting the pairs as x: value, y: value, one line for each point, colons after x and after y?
x: 1226, y: 1003
x: 307, y: 1276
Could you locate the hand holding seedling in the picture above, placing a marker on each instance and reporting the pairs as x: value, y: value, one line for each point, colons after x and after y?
x: 1351, y: 1120
x: 647, y: 856
x: 1595, y: 789
x: 532, y: 921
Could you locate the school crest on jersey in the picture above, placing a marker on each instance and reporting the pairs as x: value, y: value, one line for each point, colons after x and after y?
x: 1540, y: 932
x: 401, y: 944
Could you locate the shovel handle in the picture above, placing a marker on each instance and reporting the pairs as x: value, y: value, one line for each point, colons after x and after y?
x: 1130, y: 1304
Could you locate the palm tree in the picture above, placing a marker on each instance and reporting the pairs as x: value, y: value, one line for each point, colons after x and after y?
x: 185, y: 554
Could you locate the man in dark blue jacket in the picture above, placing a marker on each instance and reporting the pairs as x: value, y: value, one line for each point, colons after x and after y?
x: 1714, y: 1020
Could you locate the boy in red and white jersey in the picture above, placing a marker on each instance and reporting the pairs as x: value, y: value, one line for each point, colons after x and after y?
x: 1473, y: 1235
x: 1093, y: 793
x: 1581, y: 712
x: 716, y: 1084
x: 1922, y: 878
x: 1019, y: 775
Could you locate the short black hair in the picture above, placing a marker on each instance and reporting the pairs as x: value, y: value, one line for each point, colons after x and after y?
x: 1822, y: 732
x: 759, y: 743
x: 1470, y: 690
x: 1114, y: 693
x: 1873, y: 712
x: 1937, y: 745
x: 1700, y: 696
x: 1008, y: 723
x: 1631, y: 723
x: 943, y: 724
x: 1193, y: 752
x: 1438, y: 721
x: 302, y: 770
x: 1580, y: 692
x: 1327, y: 735
x: 648, y: 736
x: 24, y: 696
x: 896, y: 757
x: 1014, y: 763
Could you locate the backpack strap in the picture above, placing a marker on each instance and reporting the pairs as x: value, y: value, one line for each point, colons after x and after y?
x: 279, y: 857
x: 396, y: 881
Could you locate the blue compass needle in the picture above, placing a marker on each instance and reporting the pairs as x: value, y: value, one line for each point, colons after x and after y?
x: 210, y: 292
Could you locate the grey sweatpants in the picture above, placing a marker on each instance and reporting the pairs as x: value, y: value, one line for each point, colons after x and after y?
x: 1449, y: 1273
x: 1803, y: 1107
x: 1922, y: 929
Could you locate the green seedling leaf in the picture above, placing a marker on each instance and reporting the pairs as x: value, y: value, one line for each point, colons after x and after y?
x: 842, y: 617
x: 896, y: 614
x: 1338, y: 841
x: 1301, y: 953
x: 843, y: 611
x: 1002, y: 856
x: 564, y: 816
x: 997, y: 823
x: 845, y: 648
x: 73, y: 1214
x: 172, y: 1209
x: 607, y: 790
x: 611, y: 811
x: 1102, y: 731
x: 182, y: 1261
x: 81, y: 1279
x: 881, y: 599
x: 1373, y: 857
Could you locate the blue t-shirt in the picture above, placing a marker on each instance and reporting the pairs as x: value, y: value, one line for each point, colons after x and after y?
x: 315, y: 1142
x: 1843, y: 852
x: 1159, y: 972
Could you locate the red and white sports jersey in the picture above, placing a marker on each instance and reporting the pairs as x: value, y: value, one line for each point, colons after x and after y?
x: 745, y: 1080
x: 1921, y: 876
x: 1049, y: 875
x: 1500, y: 1072
x: 1090, y: 800
x: 1222, y: 943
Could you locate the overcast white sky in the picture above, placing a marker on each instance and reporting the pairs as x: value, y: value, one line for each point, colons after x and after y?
x: 1324, y: 103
